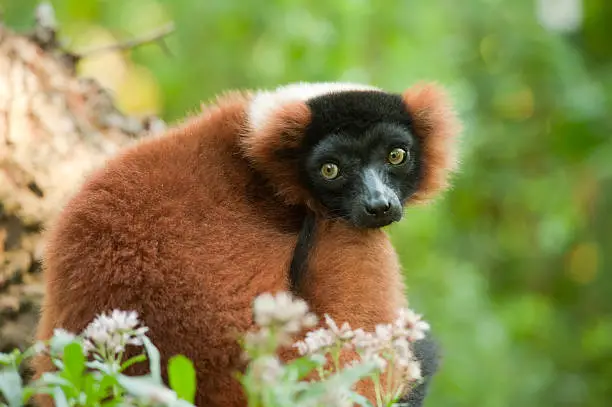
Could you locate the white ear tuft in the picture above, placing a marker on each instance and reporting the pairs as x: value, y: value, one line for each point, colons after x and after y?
x: 265, y: 103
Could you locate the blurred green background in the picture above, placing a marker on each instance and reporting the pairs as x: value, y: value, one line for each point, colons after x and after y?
x: 510, y: 268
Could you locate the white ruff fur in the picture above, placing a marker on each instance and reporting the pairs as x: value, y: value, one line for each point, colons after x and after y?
x: 265, y: 103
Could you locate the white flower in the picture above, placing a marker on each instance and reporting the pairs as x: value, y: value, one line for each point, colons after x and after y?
x: 263, y: 308
x: 256, y: 339
x: 315, y: 341
x: 301, y: 347
x: 364, y: 341
x: 402, y: 349
x: 267, y: 369
x: 384, y: 333
x: 323, y: 338
x: 377, y: 359
x: 392, y: 342
x: 39, y: 347
x: 114, y: 332
x: 293, y: 326
x: 124, y: 320
x: 310, y: 320
x: 413, y: 370
x: 289, y: 308
x: 60, y: 339
x: 409, y: 324
x: 343, y: 333
x: 65, y: 335
x: 283, y: 310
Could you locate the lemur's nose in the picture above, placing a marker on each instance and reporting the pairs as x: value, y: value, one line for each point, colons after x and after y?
x: 377, y: 206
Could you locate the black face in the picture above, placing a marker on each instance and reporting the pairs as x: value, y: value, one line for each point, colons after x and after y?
x: 361, y: 160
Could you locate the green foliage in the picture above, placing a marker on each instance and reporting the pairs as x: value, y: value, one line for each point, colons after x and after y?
x: 182, y: 377
x: 510, y: 267
x: 154, y: 360
x: 90, y: 375
x: 11, y: 386
x: 89, y: 365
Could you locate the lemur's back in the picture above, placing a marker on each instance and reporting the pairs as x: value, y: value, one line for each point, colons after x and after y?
x: 169, y: 229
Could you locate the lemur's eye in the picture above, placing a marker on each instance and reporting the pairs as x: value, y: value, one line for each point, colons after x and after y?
x: 397, y: 156
x: 329, y: 171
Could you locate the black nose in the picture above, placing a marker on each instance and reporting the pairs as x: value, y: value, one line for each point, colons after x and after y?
x: 377, y: 207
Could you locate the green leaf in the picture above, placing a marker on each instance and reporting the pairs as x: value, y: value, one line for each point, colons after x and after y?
x: 349, y: 375
x: 106, y: 385
x: 182, y: 377
x: 6, y: 359
x: 133, y: 360
x: 52, y: 379
x: 299, y: 368
x: 145, y: 386
x: 89, y: 389
x: 359, y: 399
x: 74, y: 362
x: 11, y: 387
x: 345, y: 378
x: 59, y: 364
x: 60, y: 340
x: 99, y: 366
x: 112, y: 402
x: 154, y: 359
x: 60, y: 398
x: 31, y: 351
x: 10, y: 358
x: 28, y: 392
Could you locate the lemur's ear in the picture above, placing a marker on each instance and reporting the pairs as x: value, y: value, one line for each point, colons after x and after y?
x: 272, y: 145
x: 437, y: 126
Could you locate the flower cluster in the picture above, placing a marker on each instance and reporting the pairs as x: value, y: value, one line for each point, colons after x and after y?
x: 110, y: 334
x: 267, y: 369
x: 105, y: 339
x: 410, y: 324
x: 388, y: 342
x: 393, y: 340
x: 280, y: 316
x: 384, y: 346
x: 323, y: 339
x: 284, y: 310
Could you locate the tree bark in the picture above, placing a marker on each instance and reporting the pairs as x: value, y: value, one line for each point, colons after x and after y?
x: 55, y: 128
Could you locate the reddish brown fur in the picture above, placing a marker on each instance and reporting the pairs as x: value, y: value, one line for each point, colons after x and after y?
x: 184, y: 231
x: 436, y: 124
x: 282, y: 133
x: 365, y: 261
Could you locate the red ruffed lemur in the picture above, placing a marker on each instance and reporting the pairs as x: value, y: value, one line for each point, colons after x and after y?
x: 264, y: 191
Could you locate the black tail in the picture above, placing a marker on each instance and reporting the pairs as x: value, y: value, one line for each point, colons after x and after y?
x: 299, y: 262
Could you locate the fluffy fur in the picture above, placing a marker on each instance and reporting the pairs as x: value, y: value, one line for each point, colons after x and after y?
x: 263, y: 107
x: 186, y: 229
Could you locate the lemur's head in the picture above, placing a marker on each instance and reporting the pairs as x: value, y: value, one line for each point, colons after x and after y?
x: 351, y: 151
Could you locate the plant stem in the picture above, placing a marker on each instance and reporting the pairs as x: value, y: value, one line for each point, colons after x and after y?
x: 376, y: 380
x: 389, y: 389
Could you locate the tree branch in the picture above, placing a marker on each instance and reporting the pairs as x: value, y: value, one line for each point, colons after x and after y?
x: 155, y: 36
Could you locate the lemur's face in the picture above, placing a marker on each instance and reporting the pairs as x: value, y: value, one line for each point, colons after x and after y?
x: 361, y: 168
x: 353, y: 151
